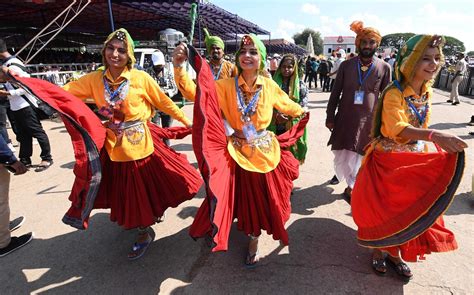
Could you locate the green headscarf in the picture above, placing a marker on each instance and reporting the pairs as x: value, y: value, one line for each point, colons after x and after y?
x: 407, y: 59
x: 122, y: 35
x: 410, y: 54
x: 212, y: 40
x: 294, y: 88
x: 262, y: 51
x: 300, y: 148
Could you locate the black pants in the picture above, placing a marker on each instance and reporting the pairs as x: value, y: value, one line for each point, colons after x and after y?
x: 29, y: 126
x: 313, y: 76
x: 3, y: 120
x: 164, y: 120
x: 325, y: 83
x: 332, y: 84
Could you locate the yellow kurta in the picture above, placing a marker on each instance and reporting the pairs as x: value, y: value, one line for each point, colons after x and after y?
x: 228, y: 70
x: 261, y: 158
x: 396, y: 116
x: 143, y: 96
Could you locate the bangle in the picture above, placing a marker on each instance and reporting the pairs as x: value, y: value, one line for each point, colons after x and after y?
x: 431, y: 135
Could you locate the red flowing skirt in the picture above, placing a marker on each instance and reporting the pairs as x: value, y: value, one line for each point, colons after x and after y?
x: 138, y: 192
x: 259, y: 201
x: 399, y: 198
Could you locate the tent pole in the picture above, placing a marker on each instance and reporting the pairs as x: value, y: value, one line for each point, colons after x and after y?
x: 111, y: 16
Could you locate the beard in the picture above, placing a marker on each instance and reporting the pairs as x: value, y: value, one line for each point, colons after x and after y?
x: 216, y: 56
x: 366, y: 53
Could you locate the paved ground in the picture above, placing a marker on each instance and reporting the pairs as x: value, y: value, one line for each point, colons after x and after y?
x: 323, y: 257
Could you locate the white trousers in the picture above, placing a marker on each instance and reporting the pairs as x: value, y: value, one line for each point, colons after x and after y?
x: 346, y: 165
x: 455, y: 89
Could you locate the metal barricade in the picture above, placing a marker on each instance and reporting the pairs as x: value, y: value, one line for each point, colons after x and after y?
x: 466, y: 87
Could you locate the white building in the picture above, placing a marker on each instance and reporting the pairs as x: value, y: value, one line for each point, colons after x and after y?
x: 331, y: 44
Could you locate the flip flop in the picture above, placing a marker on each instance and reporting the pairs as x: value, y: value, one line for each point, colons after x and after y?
x: 139, y: 249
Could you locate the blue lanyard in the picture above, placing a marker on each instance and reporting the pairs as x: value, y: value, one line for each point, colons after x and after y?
x: 114, y: 94
x: 216, y: 77
x: 361, y: 81
x: 421, y: 118
x: 245, y: 108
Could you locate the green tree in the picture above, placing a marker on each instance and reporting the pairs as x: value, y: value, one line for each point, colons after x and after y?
x: 453, y: 46
x: 470, y: 53
x: 302, y: 38
x: 395, y: 40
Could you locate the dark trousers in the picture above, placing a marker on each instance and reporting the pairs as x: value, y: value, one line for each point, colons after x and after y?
x: 332, y: 84
x: 29, y: 126
x: 313, y: 76
x: 307, y: 75
x: 165, y: 121
x: 3, y: 120
x: 325, y: 83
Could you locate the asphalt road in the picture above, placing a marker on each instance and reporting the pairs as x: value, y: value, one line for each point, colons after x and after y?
x: 322, y: 258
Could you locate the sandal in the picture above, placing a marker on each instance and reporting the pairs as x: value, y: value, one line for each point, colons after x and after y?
x: 379, y: 266
x: 139, y: 249
x: 402, y: 269
x: 45, y: 164
x: 251, y: 259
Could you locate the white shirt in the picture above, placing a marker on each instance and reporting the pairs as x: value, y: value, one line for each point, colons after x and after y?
x: 461, y: 66
x: 16, y: 100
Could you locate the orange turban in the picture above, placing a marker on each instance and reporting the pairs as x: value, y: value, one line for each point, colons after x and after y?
x: 358, y: 27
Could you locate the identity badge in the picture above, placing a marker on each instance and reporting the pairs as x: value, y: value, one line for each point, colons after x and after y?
x: 359, y: 97
x: 249, y: 131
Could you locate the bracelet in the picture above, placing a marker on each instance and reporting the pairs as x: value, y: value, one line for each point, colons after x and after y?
x: 431, y: 135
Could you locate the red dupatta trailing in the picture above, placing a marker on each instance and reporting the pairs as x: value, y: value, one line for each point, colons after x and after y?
x: 87, y: 136
x: 215, y: 216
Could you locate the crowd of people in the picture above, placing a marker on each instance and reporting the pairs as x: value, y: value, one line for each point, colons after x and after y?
x: 250, y: 138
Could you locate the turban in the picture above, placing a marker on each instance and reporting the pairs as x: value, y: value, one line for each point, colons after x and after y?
x: 262, y: 51
x: 122, y: 35
x: 411, y: 53
x: 367, y: 32
x: 212, y: 40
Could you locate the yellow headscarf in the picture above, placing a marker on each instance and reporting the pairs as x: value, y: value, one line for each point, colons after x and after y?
x: 122, y: 35
x: 367, y: 32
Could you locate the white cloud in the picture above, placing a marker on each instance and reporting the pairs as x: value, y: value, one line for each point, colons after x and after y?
x: 286, y: 29
x: 310, y: 9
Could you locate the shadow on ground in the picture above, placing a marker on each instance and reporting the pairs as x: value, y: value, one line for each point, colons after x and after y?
x: 94, y: 261
x: 323, y: 258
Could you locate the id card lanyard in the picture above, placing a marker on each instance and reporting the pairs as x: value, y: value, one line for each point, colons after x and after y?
x: 421, y: 117
x: 249, y: 130
x: 216, y: 76
x: 359, y: 94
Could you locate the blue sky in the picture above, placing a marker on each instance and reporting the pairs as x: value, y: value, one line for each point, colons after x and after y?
x: 332, y: 18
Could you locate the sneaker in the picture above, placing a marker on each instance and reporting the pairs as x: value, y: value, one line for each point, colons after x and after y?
x: 449, y: 100
x: 16, y: 223
x: 12, y: 148
x: 455, y: 103
x: 16, y: 243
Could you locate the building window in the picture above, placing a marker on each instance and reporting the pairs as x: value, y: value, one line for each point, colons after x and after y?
x: 329, y: 50
x: 348, y: 50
